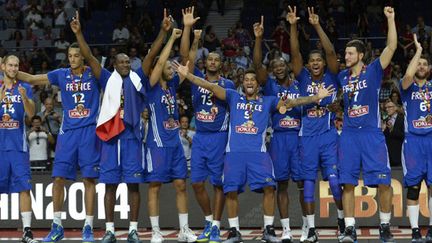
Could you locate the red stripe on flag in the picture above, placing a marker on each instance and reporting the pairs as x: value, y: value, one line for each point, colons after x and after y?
x: 111, y: 128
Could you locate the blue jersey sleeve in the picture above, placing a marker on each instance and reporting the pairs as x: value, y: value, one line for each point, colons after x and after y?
x: 174, y: 82
x: 198, y: 73
x: 230, y: 95
x: 54, y: 76
x: 273, y: 103
x: 103, y: 78
x: 377, y: 71
x: 144, y: 80
x: 29, y: 90
x: 229, y: 84
x: 303, y: 75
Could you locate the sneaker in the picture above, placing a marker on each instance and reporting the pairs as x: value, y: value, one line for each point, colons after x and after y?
x: 234, y: 236
x: 269, y: 235
x: 416, y: 236
x: 109, y: 237
x: 385, y: 233
x: 286, y: 236
x: 87, y: 234
x: 341, y: 227
x: 429, y: 235
x: 156, y: 236
x: 55, y: 235
x: 350, y: 235
x: 186, y: 235
x: 28, y: 236
x: 312, y: 236
x: 204, y: 236
x: 215, y: 235
x: 304, y: 234
x: 133, y: 237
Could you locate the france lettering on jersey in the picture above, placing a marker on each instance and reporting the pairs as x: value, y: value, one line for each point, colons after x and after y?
x: 12, y: 124
x: 361, y: 96
x: 163, y: 111
x: 248, y: 122
x: 316, y: 119
x: 290, y: 121
x: 416, y: 101
x: 211, y: 114
x: 80, y: 96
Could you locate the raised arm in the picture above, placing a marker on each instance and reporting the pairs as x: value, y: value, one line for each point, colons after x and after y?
x: 39, y: 79
x: 296, y: 57
x: 261, y: 72
x: 194, y: 49
x: 329, y: 50
x: 390, y: 49
x: 157, y: 44
x: 188, y: 22
x: 84, y: 48
x: 29, y: 106
x: 322, y: 93
x: 183, y: 71
x: 408, y: 79
x: 157, y: 71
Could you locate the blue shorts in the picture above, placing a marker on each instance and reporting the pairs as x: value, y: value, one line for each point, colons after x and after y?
x: 15, y: 172
x: 284, y: 152
x: 318, y: 152
x: 417, y: 160
x: 122, y: 161
x: 77, y: 148
x: 207, y: 159
x: 256, y: 168
x: 364, y: 149
x: 165, y: 164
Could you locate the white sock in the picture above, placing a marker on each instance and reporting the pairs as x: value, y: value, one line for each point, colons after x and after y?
x: 217, y: 223
x: 183, y: 220
x: 311, y: 220
x: 133, y: 225
x: 154, y: 221
x: 209, y: 218
x: 26, y: 218
x: 57, y: 218
x: 268, y: 220
x: 413, y: 215
x: 89, y: 220
x: 304, y: 222
x: 285, y: 224
x: 349, y: 221
x: 110, y: 227
x: 430, y: 210
x: 384, y: 217
x: 234, y: 222
x: 340, y: 214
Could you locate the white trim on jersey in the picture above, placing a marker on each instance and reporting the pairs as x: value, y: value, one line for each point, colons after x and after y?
x: 225, y: 122
x: 25, y: 148
x: 149, y: 161
x: 378, y: 111
x: 404, y: 168
x: 263, y: 145
x: 142, y: 156
x: 118, y: 152
x: 154, y: 126
x: 61, y: 125
x: 301, y: 126
x: 228, y: 149
x: 405, y: 105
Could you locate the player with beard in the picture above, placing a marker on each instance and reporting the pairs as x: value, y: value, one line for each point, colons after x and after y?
x: 286, y: 125
x: 15, y: 176
x: 246, y: 159
x: 362, y: 143
x: 318, y: 136
x: 416, y: 93
x: 165, y: 158
x: 208, y: 148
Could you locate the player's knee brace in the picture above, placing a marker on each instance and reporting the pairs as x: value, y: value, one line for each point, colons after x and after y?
x: 309, y: 191
x: 413, y: 192
x: 335, y: 187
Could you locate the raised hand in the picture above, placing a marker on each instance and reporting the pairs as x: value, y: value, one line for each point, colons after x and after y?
x: 417, y: 44
x: 182, y: 71
x: 313, y: 18
x: 259, y: 28
x: 291, y: 16
x: 389, y: 12
x: 197, y: 34
x: 176, y: 33
x: 324, y: 92
x: 75, y: 24
x: 166, y: 21
x: 188, y: 18
x: 22, y: 91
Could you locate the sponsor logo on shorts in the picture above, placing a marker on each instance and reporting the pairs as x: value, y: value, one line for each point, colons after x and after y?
x: 79, y: 112
x: 137, y: 175
x: 205, y: 116
x: 96, y: 168
x: 268, y: 179
x: 382, y: 176
x: 421, y: 123
x: 357, y: 111
x: 289, y: 122
x: 247, y: 128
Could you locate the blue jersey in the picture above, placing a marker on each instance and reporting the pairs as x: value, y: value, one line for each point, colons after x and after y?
x: 416, y: 101
x: 316, y: 119
x: 248, y: 122
x: 163, y: 129
x: 290, y: 121
x: 12, y: 124
x: 80, y: 96
x: 211, y: 114
x: 361, y: 96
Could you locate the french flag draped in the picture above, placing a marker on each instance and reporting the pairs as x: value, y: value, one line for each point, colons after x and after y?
x: 109, y: 123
